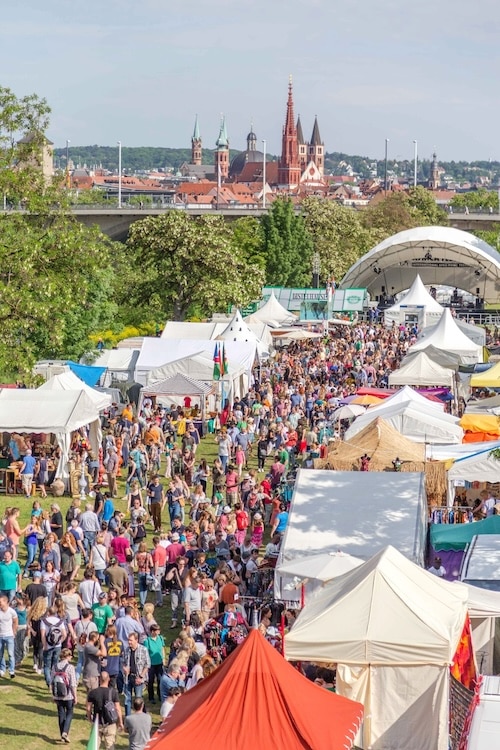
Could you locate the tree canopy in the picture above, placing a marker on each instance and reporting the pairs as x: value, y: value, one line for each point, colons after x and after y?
x: 287, y: 245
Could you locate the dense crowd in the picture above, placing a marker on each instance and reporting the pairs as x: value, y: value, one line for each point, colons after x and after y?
x: 197, y: 536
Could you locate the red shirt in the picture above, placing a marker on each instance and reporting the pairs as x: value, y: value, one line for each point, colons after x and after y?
x: 175, y: 550
x: 119, y: 546
x: 159, y: 555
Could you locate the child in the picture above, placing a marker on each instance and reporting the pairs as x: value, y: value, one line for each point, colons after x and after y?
x: 240, y: 459
x: 257, y: 530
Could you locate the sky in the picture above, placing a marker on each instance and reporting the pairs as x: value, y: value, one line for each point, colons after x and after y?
x: 140, y: 71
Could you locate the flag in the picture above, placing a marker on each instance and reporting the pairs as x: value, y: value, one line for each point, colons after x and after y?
x: 217, y: 363
x: 225, y: 365
x: 93, y: 743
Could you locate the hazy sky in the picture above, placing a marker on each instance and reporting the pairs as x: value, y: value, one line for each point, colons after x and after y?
x: 370, y: 69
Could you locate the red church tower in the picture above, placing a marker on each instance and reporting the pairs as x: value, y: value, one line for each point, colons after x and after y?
x: 289, y: 165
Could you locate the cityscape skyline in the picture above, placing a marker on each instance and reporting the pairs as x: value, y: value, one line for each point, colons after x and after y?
x: 117, y: 71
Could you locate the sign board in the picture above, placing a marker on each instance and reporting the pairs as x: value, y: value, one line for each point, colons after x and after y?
x: 312, y: 304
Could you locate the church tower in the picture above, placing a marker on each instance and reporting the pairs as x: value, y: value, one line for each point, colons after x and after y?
x: 196, y: 144
x: 302, y: 146
x: 222, y: 153
x: 289, y: 167
x: 434, y: 178
x: 317, y: 148
x: 251, y: 140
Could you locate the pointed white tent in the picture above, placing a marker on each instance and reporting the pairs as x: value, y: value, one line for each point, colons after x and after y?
x: 448, y: 337
x: 393, y: 630
x: 421, y: 370
x: 477, y: 334
x: 312, y: 572
x: 408, y: 394
x: 68, y: 381
x: 273, y: 313
x: 238, y: 330
x: 417, y: 301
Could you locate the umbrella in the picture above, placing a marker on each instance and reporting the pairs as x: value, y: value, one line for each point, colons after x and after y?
x: 366, y: 400
x: 349, y: 412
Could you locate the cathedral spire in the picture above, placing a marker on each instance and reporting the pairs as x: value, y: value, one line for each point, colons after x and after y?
x: 289, y: 166
x: 300, y: 134
x: 196, y: 148
x: 196, y: 131
x: 316, y: 138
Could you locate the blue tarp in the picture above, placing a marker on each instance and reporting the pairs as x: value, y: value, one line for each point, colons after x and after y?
x: 90, y: 375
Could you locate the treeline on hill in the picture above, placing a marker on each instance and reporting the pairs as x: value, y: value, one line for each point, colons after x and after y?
x: 143, y: 158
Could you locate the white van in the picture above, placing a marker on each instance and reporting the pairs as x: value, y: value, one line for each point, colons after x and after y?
x: 481, y: 564
x: 485, y: 728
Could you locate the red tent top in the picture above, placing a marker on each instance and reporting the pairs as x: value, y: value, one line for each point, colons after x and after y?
x: 256, y: 699
x: 386, y: 392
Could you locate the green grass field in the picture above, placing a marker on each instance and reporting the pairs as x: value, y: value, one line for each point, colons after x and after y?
x: 28, y: 718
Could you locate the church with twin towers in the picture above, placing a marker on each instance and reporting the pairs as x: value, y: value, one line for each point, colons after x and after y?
x: 300, y: 162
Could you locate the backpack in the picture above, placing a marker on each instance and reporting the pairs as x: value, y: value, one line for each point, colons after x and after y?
x: 60, y: 685
x: 54, y: 634
x: 109, y: 713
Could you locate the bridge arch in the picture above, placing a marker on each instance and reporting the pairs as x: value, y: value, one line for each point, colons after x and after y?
x: 441, y: 255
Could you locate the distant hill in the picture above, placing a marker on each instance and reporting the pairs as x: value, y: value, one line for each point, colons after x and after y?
x: 144, y: 158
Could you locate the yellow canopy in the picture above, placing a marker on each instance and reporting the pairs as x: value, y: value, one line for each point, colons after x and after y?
x: 488, y: 379
x: 481, y: 423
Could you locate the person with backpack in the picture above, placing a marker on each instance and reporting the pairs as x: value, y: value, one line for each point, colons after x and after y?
x: 103, y: 703
x: 83, y: 628
x: 63, y: 687
x: 53, y: 632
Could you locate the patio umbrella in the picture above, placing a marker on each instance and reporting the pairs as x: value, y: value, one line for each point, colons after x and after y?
x: 366, y: 400
x: 349, y: 412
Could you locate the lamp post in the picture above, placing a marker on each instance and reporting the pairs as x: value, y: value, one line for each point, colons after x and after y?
x: 385, y: 168
x: 415, y: 163
x: 119, y: 174
x: 316, y: 269
x: 67, y: 162
x: 264, y: 144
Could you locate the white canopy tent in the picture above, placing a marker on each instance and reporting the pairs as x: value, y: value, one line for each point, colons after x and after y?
x: 68, y: 381
x: 358, y: 512
x: 410, y: 395
x: 417, y: 301
x: 444, y: 452
x: 174, y: 329
x: 484, y: 613
x: 272, y: 313
x: 480, y: 467
x: 312, y: 572
x: 476, y: 334
x: 448, y: 337
x: 484, y: 406
x: 238, y: 330
x: 57, y: 412
x: 119, y: 363
x: 393, y: 629
x: 178, y: 386
x: 421, y: 370
x: 423, y: 425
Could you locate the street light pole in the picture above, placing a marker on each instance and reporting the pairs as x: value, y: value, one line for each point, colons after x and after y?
x: 119, y: 174
x: 67, y: 162
x: 264, y: 174
x: 316, y: 269
x: 415, y: 164
x: 385, y: 169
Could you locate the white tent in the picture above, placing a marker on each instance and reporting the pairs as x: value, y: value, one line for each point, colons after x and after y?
x: 417, y: 301
x: 273, y: 313
x: 174, y: 329
x: 409, y: 395
x: 484, y: 611
x: 68, y: 381
x: 359, y: 512
x: 119, y: 363
x: 414, y: 422
x: 477, y: 334
x: 180, y: 385
x: 421, y: 370
x: 480, y: 467
x: 238, y: 330
x: 484, y: 406
x: 393, y: 630
x: 448, y: 337
x: 444, y: 452
x: 312, y: 572
x: 57, y: 412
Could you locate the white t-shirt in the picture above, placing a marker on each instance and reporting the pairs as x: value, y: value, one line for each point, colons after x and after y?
x: 165, y: 709
x: 87, y: 627
x: 440, y: 572
x: 89, y: 590
x: 7, y: 620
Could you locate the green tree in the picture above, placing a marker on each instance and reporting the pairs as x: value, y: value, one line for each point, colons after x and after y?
x: 338, y: 235
x: 475, y: 199
x: 424, y: 202
x: 248, y: 237
x: 56, y: 278
x: 400, y: 211
x: 187, y: 263
x: 288, y: 246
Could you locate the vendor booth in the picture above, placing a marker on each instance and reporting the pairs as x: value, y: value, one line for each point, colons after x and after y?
x: 484, y: 613
x: 310, y: 573
x: 416, y: 306
x: 448, y: 338
x: 68, y: 381
x: 450, y: 540
x: 56, y: 412
x: 421, y: 370
x: 255, y: 699
x: 177, y: 387
x: 394, y: 631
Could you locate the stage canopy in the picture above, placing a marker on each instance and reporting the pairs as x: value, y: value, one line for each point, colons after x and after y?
x: 440, y: 255
x: 256, y: 699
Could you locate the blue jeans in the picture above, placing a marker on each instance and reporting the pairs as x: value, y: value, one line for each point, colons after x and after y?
x: 7, y: 642
x: 89, y: 541
x: 131, y: 690
x: 79, y: 665
x: 65, y: 715
x: 143, y: 587
x: 50, y: 659
x: 224, y: 461
x: 32, y: 549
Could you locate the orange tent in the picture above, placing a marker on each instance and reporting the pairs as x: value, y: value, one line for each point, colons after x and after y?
x: 256, y: 699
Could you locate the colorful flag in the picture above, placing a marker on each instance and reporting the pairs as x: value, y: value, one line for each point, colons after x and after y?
x: 93, y: 743
x: 225, y: 364
x: 217, y: 362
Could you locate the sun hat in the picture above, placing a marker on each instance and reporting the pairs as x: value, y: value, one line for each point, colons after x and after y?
x: 226, y: 509
x: 257, y: 517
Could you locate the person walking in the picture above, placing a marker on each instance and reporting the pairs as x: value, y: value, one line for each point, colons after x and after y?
x: 98, y: 708
x: 155, y: 645
x: 53, y: 632
x: 63, y: 686
x: 135, y: 669
x: 8, y: 630
x: 138, y: 726
x: 157, y: 500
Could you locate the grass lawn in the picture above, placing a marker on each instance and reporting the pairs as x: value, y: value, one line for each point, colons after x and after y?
x: 29, y: 716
